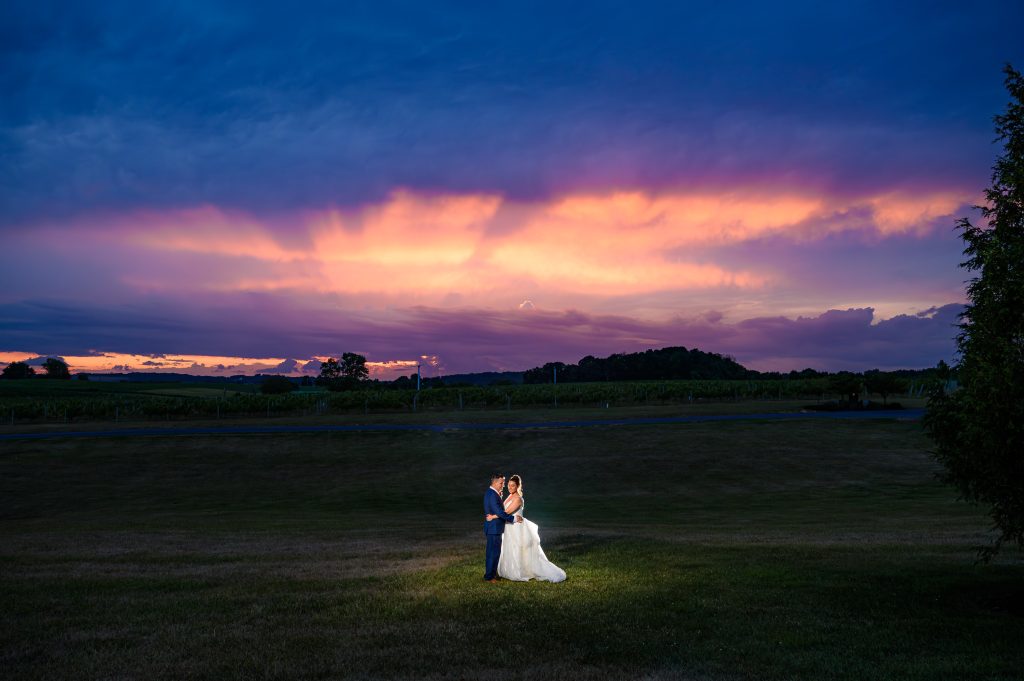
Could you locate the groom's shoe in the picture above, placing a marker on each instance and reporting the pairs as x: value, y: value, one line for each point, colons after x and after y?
x: 493, y: 580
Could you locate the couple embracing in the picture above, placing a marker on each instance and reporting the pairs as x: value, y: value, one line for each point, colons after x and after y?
x: 513, y: 543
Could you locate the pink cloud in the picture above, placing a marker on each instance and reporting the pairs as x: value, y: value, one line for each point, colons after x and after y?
x: 447, y: 276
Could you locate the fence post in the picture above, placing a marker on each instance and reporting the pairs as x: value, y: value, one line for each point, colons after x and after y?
x: 508, y: 402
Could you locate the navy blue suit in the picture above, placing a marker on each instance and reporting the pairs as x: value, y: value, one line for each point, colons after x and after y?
x: 493, y: 529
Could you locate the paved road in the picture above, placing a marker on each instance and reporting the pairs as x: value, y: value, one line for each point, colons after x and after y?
x: 904, y: 414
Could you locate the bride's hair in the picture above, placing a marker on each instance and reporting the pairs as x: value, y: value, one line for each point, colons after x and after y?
x: 519, y: 484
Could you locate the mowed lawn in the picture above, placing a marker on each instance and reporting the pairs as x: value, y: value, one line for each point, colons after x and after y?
x: 734, y: 550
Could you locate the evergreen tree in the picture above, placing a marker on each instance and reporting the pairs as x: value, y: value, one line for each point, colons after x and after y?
x: 978, y: 429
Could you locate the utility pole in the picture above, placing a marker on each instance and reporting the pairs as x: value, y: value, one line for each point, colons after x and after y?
x: 554, y: 374
x: 417, y: 378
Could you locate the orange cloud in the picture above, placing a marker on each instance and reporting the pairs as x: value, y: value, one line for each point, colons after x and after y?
x: 408, y: 230
x: 208, y: 230
x: 203, y: 365
x: 900, y: 212
x: 413, y: 249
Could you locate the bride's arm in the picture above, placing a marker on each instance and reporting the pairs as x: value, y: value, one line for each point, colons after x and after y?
x: 516, y: 503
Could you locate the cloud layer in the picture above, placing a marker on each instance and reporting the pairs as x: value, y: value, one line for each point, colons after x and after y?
x: 479, y: 340
x: 253, y: 188
x: 447, y: 275
x: 117, y: 106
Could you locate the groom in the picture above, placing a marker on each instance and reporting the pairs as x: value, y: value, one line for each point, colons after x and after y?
x: 494, y: 528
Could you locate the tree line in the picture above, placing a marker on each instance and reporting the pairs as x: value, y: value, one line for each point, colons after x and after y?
x: 680, y: 363
x: 53, y: 368
x: 662, y: 364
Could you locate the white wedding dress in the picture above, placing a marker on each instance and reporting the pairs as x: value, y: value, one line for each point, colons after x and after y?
x: 522, y: 558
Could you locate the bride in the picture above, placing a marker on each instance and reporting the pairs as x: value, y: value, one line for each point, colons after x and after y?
x: 522, y: 558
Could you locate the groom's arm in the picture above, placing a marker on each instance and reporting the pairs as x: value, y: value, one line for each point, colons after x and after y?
x: 495, y: 508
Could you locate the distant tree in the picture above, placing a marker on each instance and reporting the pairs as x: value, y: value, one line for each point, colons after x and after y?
x: 661, y: 364
x: 329, y: 371
x: 353, y: 367
x: 882, y: 383
x: 55, y: 368
x: 277, y: 385
x: 18, y: 370
x: 977, y: 428
x: 306, y: 381
x: 847, y: 385
x: 940, y: 376
x: 82, y: 377
x: 345, y: 374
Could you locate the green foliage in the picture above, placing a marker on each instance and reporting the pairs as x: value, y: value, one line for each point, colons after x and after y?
x: 56, y: 368
x: 979, y: 429
x: 847, y: 385
x: 329, y: 370
x: 883, y: 383
x: 344, y: 375
x: 353, y: 367
x: 18, y: 371
x: 277, y: 385
x: 97, y: 400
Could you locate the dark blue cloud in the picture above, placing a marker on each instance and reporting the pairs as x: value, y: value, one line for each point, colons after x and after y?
x: 117, y: 105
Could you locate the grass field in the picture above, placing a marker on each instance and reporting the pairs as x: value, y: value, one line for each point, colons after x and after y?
x: 50, y: 402
x: 46, y: 388
x: 740, y: 550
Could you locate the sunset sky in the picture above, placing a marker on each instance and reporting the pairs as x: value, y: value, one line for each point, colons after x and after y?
x: 231, y: 188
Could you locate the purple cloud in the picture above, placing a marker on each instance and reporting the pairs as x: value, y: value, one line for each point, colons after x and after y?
x: 285, y: 367
x: 481, y: 339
